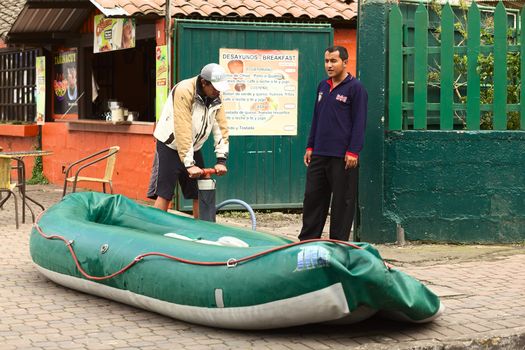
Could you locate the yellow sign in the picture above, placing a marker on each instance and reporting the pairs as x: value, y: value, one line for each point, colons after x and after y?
x: 161, y: 81
x: 262, y: 99
x: 40, y: 91
x: 113, y: 34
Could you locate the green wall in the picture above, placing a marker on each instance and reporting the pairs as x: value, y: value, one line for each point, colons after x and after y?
x: 371, y: 68
x: 456, y: 186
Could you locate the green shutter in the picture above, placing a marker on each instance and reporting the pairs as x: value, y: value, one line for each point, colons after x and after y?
x: 447, y: 69
x: 473, y: 81
x: 500, y: 68
x: 421, y: 67
x: 395, y: 67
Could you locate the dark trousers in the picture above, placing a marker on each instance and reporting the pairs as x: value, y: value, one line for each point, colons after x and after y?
x: 326, y: 178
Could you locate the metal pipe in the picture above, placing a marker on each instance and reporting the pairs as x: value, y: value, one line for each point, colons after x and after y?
x: 242, y: 203
x: 208, y: 21
x: 167, y: 27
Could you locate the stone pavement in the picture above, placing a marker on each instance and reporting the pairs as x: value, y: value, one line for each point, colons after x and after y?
x: 483, y: 288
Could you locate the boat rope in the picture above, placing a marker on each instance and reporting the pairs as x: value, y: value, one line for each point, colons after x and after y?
x: 232, y: 262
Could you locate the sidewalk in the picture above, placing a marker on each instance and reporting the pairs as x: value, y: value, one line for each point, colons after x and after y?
x: 483, y: 288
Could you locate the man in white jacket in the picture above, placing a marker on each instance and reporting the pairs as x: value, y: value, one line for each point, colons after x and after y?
x: 192, y: 112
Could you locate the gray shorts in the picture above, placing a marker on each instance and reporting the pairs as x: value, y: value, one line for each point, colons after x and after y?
x: 167, y: 170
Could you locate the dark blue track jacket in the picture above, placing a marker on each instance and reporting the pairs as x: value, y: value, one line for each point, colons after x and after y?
x: 339, y: 121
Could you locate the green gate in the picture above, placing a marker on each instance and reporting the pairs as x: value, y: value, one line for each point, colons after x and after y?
x: 428, y: 173
x: 264, y: 171
x: 440, y: 65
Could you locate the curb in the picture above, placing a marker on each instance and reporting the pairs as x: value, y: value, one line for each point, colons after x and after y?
x: 513, y: 339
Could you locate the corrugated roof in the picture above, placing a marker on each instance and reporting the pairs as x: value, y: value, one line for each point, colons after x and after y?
x: 312, y: 9
x: 9, y: 11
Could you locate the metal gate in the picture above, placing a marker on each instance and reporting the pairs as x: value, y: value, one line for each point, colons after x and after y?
x: 265, y: 171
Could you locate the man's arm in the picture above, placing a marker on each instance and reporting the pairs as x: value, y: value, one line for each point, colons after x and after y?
x: 313, y: 128
x: 182, y: 102
x: 358, y: 114
x: 221, y: 141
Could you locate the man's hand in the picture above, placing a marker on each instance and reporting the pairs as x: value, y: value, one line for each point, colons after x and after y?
x: 307, y: 157
x: 350, y: 161
x: 220, y: 169
x: 194, y: 172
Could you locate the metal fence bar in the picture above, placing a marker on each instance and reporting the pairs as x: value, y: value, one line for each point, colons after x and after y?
x: 421, y: 67
x: 500, y: 68
x: 17, y: 85
x: 447, y: 69
x: 395, y: 68
x: 473, y: 80
x: 522, y: 65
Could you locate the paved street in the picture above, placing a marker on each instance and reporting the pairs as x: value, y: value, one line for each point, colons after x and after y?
x: 482, y: 287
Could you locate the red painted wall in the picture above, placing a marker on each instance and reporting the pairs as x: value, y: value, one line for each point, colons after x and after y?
x: 134, y: 160
x: 348, y: 39
x: 14, y: 143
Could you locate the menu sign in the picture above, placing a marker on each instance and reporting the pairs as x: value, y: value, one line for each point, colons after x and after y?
x: 262, y: 99
x: 40, y: 91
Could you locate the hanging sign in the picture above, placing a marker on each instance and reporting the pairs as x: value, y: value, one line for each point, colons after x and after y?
x: 262, y: 99
x: 40, y: 90
x: 161, y: 81
x: 65, y: 89
x: 112, y: 34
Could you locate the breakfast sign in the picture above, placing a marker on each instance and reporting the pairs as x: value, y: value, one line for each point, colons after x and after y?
x: 262, y: 99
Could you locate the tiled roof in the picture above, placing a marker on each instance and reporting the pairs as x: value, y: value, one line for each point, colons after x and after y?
x: 306, y: 9
x: 9, y: 11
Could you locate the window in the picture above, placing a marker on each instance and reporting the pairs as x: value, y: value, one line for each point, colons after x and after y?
x: 17, y: 86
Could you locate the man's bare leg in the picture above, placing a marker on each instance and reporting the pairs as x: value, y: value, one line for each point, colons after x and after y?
x: 162, y: 203
x: 195, y: 208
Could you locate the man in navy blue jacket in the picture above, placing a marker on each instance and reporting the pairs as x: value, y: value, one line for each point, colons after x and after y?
x: 332, y: 154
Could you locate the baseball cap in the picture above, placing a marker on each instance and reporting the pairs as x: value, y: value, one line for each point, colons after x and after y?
x: 216, y: 75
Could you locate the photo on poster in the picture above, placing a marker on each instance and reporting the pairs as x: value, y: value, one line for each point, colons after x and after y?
x: 65, y: 88
x: 113, y: 34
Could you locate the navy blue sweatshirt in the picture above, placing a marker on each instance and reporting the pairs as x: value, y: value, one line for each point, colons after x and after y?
x: 339, y: 121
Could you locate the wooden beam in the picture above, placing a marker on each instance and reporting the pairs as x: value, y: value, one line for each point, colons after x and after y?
x: 59, y: 4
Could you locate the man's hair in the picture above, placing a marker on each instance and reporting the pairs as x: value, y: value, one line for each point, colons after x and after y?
x: 203, y: 81
x: 342, y: 51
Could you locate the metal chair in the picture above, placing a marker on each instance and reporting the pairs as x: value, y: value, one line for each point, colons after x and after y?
x: 6, y: 185
x: 110, y: 154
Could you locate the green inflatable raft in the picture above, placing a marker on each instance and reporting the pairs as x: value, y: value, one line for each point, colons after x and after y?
x: 216, y: 275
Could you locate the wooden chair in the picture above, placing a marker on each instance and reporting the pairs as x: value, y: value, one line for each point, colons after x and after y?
x: 108, y: 154
x: 6, y: 185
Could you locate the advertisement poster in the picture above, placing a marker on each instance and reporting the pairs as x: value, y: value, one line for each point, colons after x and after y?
x: 113, y: 34
x: 40, y: 90
x: 65, y: 90
x: 161, y: 84
x: 262, y: 99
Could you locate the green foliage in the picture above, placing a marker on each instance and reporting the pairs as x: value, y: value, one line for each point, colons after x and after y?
x: 485, y: 68
x: 38, y: 173
x: 37, y: 176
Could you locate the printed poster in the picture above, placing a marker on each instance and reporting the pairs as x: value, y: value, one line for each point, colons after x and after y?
x: 112, y: 34
x: 262, y: 99
x: 161, y: 82
x: 40, y: 90
x: 65, y: 89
